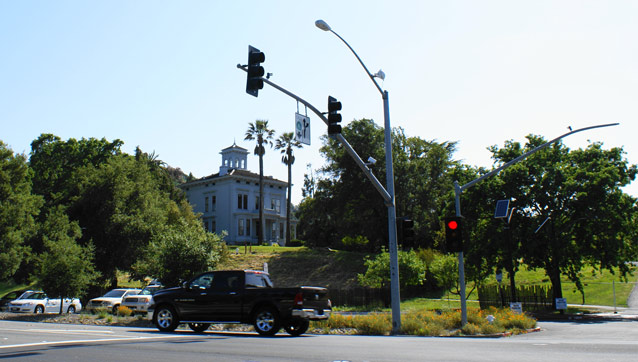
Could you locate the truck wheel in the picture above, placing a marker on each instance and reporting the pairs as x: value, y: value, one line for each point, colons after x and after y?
x: 39, y: 309
x: 199, y: 327
x: 71, y: 309
x: 296, y: 327
x: 266, y: 321
x: 165, y: 318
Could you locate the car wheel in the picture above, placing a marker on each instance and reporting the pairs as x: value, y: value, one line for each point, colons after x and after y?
x: 39, y: 309
x: 71, y: 309
x: 266, y: 321
x: 296, y: 327
x: 165, y: 318
x: 114, y: 310
x: 199, y: 327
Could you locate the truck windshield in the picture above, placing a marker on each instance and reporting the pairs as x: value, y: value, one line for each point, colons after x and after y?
x: 258, y: 280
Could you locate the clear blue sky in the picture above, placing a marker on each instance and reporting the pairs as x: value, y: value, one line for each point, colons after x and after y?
x: 162, y: 74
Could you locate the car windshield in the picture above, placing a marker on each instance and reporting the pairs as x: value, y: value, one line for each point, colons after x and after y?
x: 150, y: 290
x: 26, y: 295
x: 115, y: 294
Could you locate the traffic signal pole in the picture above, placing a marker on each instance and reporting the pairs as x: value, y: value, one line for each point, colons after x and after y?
x: 457, y: 201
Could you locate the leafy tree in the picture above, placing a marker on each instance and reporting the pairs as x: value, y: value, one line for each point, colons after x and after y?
x: 65, y: 268
x: 577, y: 197
x: 259, y: 131
x: 285, y: 143
x: 18, y: 209
x: 179, y: 252
x: 411, y: 269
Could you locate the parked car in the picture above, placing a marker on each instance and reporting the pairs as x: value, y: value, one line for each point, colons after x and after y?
x: 111, y: 300
x: 139, y: 303
x: 11, y: 296
x: 239, y: 297
x: 39, y: 302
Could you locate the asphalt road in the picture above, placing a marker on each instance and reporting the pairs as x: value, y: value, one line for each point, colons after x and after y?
x: 558, y: 341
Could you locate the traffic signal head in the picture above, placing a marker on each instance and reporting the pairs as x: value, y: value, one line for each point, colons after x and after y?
x: 453, y: 234
x: 334, y: 118
x: 255, y: 71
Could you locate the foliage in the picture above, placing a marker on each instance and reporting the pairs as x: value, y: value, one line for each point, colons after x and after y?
x: 344, y: 202
x: 354, y: 243
x: 444, y: 269
x: 166, y: 255
x: 65, y: 269
x: 411, y: 269
x: 18, y: 209
x: 285, y: 143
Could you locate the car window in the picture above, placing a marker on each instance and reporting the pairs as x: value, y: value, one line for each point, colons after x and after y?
x: 114, y: 294
x: 202, y: 282
x: 26, y: 295
x: 12, y: 295
x: 258, y: 280
x: 227, y: 280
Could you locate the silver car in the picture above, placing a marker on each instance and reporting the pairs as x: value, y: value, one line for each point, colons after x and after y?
x: 39, y: 302
x: 139, y: 303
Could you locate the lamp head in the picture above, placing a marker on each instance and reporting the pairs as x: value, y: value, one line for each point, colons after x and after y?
x: 322, y: 25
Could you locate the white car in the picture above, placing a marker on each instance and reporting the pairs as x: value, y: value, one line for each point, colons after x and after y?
x: 111, y: 300
x: 139, y: 303
x: 39, y: 302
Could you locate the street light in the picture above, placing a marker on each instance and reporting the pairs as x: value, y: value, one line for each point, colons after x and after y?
x: 392, y: 217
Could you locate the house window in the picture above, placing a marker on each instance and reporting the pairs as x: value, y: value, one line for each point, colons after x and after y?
x: 247, y: 227
x: 213, y: 201
x: 242, y: 201
x: 206, y: 205
x: 206, y: 225
x: 281, y: 230
x: 275, y: 204
x: 257, y: 203
x: 213, y: 226
x: 240, y: 227
x: 274, y: 231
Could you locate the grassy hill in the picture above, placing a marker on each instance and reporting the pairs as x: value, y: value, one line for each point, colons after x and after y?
x: 289, y: 267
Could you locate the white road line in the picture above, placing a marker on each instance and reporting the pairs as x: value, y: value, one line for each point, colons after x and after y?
x: 88, y: 341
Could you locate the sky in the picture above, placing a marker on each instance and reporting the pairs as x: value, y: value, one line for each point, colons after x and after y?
x: 162, y: 75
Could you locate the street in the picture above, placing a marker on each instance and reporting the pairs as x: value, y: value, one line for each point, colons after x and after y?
x: 558, y: 341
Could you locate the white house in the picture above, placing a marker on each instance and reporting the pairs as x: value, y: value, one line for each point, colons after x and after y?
x: 229, y: 201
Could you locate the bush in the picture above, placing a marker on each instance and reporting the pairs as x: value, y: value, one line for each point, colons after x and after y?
x: 124, y: 311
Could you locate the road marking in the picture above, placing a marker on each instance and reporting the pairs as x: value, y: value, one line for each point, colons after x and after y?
x: 123, y: 339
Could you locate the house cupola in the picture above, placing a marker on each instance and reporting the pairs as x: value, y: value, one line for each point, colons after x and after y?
x: 233, y: 157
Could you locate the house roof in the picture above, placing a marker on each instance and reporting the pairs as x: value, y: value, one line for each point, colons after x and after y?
x: 236, y: 173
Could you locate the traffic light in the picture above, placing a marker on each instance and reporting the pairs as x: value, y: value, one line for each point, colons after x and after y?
x: 334, y: 118
x: 453, y: 234
x: 405, y: 231
x: 255, y: 71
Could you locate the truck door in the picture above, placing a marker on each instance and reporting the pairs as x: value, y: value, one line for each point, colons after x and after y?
x: 224, y: 298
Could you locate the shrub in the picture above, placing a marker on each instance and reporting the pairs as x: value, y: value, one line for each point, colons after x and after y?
x: 124, y: 311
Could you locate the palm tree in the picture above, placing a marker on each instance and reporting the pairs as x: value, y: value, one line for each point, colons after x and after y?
x: 285, y: 143
x: 259, y: 131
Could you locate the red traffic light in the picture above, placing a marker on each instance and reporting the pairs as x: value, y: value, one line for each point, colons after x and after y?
x: 452, y: 224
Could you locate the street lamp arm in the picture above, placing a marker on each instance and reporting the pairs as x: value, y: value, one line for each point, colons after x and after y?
x: 360, y: 62
x: 517, y: 159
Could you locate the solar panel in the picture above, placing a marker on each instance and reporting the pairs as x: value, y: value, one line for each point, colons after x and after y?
x: 502, y: 206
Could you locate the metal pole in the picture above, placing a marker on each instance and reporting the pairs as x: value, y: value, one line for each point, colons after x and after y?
x: 457, y: 205
x: 395, y: 292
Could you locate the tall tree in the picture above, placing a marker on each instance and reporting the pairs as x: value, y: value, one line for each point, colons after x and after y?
x: 285, y: 143
x: 65, y: 268
x: 259, y: 131
x: 577, y: 198
x: 18, y: 210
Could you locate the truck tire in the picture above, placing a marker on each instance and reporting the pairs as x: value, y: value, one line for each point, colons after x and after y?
x: 296, y: 327
x: 199, y: 327
x: 165, y: 318
x: 266, y: 321
x: 71, y: 309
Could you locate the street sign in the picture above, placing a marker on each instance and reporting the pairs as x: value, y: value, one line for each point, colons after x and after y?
x: 302, y: 129
x: 561, y: 303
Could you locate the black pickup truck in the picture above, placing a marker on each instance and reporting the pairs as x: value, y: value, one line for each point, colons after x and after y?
x: 243, y: 296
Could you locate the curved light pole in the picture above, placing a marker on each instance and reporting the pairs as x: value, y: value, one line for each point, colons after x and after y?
x: 389, y: 172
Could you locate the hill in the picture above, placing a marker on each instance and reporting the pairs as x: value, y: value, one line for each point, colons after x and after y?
x: 289, y: 267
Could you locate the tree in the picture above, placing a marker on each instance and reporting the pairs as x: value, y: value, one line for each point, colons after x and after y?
x: 411, y: 268
x: 65, y: 268
x: 577, y: 197
x: 259, y: 130
x: 179, y: 252
x: 285, y: 143
x: 18, y: 210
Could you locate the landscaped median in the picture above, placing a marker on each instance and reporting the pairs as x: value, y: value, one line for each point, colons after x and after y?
x: 446, y: 323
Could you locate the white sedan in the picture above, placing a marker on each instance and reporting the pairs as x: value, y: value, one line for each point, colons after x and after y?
x: 39, y: 302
